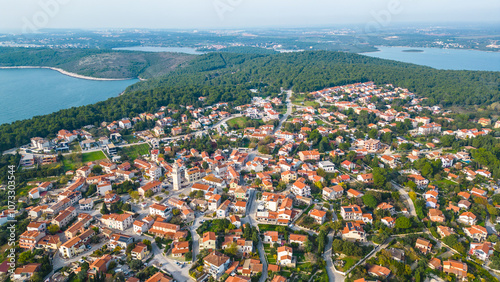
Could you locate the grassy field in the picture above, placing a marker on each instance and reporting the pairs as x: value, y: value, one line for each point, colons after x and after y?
x: 24, y: 191
x: 71, y: 163
x: 93, y: 156
x: 300, y: 100
x: 270, y: 227
x: 297, y: 99
x: 443, y: 182
x: 239, y: 121
x: 133, y: 152
x: 311, y: 104
x: 130, y: 138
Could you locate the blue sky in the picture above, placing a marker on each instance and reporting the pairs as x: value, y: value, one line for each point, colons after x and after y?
x: 199, y: 14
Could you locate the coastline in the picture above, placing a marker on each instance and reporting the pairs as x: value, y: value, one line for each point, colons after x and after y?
x: 403, y: 46
x: 74, y: 75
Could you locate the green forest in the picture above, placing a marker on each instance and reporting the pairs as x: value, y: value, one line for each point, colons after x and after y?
x: 100, y: 63
x: 229, y: 77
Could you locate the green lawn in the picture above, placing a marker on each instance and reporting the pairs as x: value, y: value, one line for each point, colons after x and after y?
x: 349, y: 262
x: 68, y: 164
x: 300, y: 101
x: 239, y: 121
x: 24, y: 191
x: 130, y: 138
x: 267, y: 250
x: 297, y: 99
x: 311, y: 104
x: 270, y: 227
x: 93, y: 156
x: 267, y: 227
x: 72, y: 164
x: 443, y: 181
x: 134, y: 152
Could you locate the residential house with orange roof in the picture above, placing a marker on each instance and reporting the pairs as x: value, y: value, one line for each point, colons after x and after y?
x: 300, y: 188
x: 209, y: 241
x: 455, y: 267
x: 388, y: 221
x: 353, y: 231
x: 444, y: 231
x: 159, y: 277
x: 117, y: 221
x: 331, y: 193
x: 153, y: 186
x: 216, y: 263
x: 309, y: 155
x: 436, y: 215
x: 179, y: 249
x: 140, y: 251
x: 298, y: 239
x: 318, y: 215
x: 476, y: 232
x: 423, y: 245
x: 379, y: 271
x: 482, y: 251
x: 352, y: 193
x: 29, y: 239
x: 467, y: 218
x: 25, y: 272
x: 271, y: 237
x: 285, y: 256
x: 351, y: 212
x: 386, y: 207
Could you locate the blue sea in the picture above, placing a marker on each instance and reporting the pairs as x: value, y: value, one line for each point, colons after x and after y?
x: 445, y: 59
x: 25, y: 93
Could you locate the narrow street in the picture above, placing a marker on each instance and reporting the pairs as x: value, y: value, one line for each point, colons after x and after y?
x: 333, y: 275
x: 260, y: 247
x: 288, y: 110
x: 405, y: 195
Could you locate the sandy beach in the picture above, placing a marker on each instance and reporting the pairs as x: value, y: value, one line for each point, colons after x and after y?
x: 68, y: 73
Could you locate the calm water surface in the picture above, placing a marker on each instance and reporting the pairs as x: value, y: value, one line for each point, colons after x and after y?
x: 447, y: 59
x: 25, y: 93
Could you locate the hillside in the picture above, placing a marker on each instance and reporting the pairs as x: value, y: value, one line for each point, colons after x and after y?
x: 96, y: 63
x: 229, y: 77
x: 310, y: 71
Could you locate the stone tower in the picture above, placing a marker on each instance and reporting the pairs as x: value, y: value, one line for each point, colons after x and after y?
x: 176, y: 177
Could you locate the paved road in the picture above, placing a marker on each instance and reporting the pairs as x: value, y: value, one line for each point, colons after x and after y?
x: 180, y: 274
x: 490, y: 227
x: 288, y: 110
x: 333, y: 275
x: 405, y: 195
x: 299, y: 228
x: 196, y: 238
x: 58, y: 261
x: 372, y: 253
x: 249, y: 218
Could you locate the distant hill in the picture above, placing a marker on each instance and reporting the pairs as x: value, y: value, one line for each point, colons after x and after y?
x: 96, y: 63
